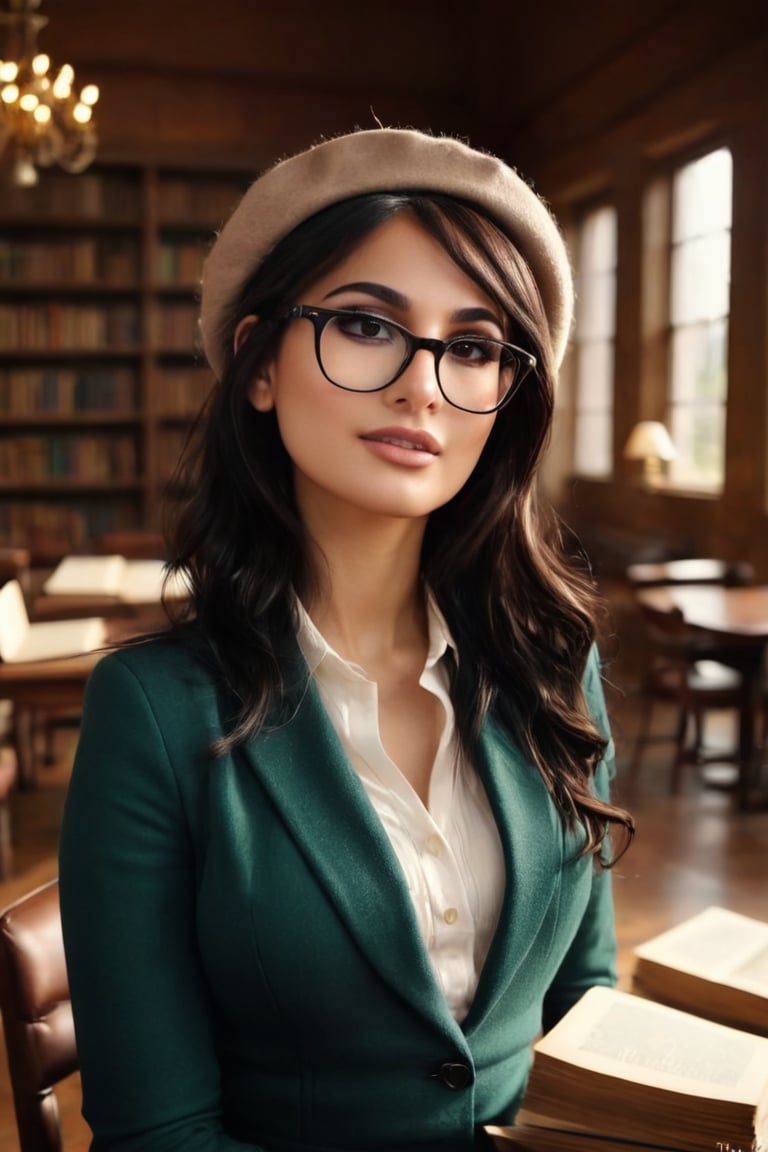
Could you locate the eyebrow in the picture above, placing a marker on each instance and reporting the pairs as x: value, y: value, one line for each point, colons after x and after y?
x: 398, y: 300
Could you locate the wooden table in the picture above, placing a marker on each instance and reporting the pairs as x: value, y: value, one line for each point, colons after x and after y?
x: 56, y: 686
x: 737, y: 621
x: 140, y: 615
x: 40, y: 686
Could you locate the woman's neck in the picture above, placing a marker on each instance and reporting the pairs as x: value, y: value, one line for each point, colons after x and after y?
x: 369, y: 604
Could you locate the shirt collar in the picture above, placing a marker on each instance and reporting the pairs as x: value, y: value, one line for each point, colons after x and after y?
x: 316, y: 650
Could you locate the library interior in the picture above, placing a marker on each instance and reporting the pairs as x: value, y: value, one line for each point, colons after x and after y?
x: 644, y: 128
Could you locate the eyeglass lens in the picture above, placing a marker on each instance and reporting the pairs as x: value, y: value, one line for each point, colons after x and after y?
x: 364, y: 353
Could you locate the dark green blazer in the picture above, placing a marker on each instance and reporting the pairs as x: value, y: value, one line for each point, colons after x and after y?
x: 245, y: 964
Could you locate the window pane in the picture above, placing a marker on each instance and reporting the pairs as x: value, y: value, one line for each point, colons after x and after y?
x: 699, y: 364
x: 702, y: 196
x: 598, y: 242
x: 594, y: 344
x: 594, y: 443
x: 699, y: 307
x: 596, y: 306
x: 701, y: 275
x: 698, y: 434
x: 595, y: 377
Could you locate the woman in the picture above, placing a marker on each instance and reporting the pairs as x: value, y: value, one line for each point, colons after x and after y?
x: 333, y: 848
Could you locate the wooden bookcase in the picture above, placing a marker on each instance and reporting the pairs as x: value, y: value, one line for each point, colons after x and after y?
x: 100, y: 368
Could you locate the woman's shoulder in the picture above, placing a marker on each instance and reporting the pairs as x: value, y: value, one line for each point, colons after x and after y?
x: 168, y: 662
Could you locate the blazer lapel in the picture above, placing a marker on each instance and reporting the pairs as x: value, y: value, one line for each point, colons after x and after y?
x: 323, y: 804
x: 532, y: 840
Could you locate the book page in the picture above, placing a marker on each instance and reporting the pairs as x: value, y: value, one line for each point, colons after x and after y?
x: 143, y: 582
x: 86, y: 576
x: 634, y: 1039
x: 717, y: 945
x: 14, y: 622
x: 56, y: 639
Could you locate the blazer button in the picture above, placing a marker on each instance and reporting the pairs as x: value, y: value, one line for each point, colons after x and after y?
x: 455, y: 1076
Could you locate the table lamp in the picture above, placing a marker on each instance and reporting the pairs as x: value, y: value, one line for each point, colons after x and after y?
x: 650, y: 442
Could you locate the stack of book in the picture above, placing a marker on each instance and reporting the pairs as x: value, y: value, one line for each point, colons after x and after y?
x: 680, y: 1063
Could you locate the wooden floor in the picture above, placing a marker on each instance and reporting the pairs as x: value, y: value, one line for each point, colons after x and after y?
x: 690, y: 851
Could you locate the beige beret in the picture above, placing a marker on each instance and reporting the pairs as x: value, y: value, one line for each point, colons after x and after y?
x: 379, y: 160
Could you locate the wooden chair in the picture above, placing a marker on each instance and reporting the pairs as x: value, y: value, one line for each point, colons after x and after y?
x: 681, y: 670
x: 36, y: 1014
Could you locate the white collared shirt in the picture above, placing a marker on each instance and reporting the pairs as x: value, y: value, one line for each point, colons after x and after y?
x: 450, y: 853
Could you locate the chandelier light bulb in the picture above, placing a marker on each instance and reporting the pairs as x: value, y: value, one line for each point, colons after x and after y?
x: 10, y: 93
x: 81, y: 113
x: 66, y: 74
x: 61, y: 88
x: 9, y: 70
x: 40, y: 64
x: 29, y: 102
x: 89, y: 94
x: 42, y: 114
x: 24, y: 173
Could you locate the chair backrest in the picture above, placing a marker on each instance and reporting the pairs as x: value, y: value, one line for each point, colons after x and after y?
x: 36, y: 1013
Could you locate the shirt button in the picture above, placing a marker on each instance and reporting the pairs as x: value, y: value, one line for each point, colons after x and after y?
x: 434, y: 845
x: 450, y: 915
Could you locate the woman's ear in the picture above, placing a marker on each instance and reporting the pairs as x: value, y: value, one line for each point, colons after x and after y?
x: 260, y: 387
x: 243, y: 331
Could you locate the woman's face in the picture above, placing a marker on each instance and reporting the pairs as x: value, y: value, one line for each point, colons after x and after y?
x: 401, y: 452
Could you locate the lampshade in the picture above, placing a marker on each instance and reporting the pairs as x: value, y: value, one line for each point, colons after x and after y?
x: 649, y: 438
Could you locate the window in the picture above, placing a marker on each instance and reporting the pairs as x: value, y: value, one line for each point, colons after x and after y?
x: 594, y: 343
x: 699, y: 307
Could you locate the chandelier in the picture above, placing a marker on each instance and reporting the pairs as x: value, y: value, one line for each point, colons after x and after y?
x: 42, y: 120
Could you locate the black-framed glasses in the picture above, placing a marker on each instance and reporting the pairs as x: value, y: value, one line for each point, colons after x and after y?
x: 362, y: 352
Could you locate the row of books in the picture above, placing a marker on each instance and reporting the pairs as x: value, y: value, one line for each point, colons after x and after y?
x: 180, y: 391
x: 175, y: 326
x: 57, y: 391
x: 92, y: 196
x: 180, y: 263
x: 54, y: 325
x: 205, y: 202
x: 68, y: 526
x: 171, y: 442
x: 82, y: 261
x: 679, y: 1063
x: 26, y: 459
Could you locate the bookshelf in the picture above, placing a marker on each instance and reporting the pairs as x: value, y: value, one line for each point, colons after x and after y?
x: 100, y: 370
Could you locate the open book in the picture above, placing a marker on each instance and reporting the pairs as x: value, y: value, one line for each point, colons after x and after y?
x: 21, y: 641
x: 715, y: 964
x: 622, y: 1067
x: 134, y: 581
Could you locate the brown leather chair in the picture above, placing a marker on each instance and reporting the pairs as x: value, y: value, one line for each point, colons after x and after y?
x: 36, y: 1014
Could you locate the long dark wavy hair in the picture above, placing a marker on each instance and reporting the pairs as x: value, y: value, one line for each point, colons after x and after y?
x: 522, y: 618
